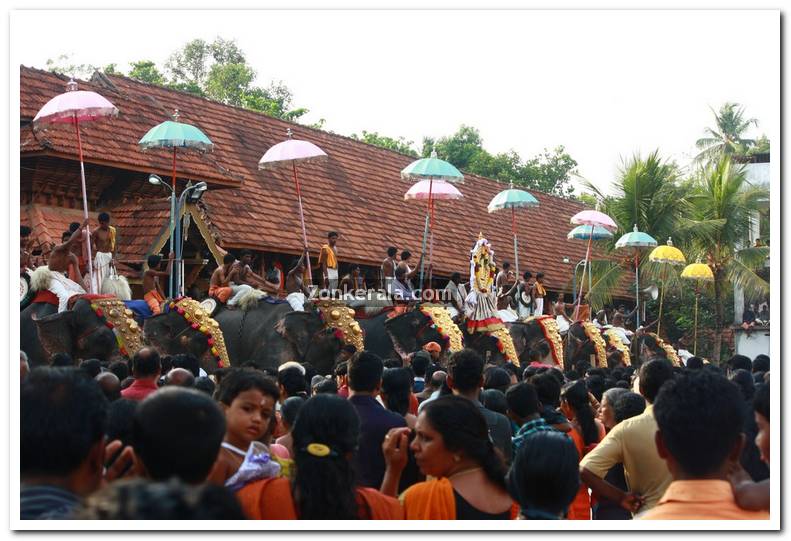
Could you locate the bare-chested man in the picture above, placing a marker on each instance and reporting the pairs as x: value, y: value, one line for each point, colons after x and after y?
x: 501, y: 278
x: 54, y: 276
x: 409, y: 272
x: 296, y: 292
x: 246, y: 276
x: 25, y: 259
x: 220, y: 284
x: 152, y: 290
x: 352, y: 281
x: 388, y: 269
x: 103, y: 242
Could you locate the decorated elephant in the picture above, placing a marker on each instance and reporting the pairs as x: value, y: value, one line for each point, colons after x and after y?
x: 584, y: 342
x: 539, y: 333
x: 377, y: 339
x: 97, y: 328
x: 648, y: 345
x: 425, y: 323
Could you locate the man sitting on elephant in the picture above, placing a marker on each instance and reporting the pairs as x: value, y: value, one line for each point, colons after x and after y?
x: 152, y: 289
x: 221, y: 287
x: 54, y: 276
x: 296, y: 292
x: 246, y: 276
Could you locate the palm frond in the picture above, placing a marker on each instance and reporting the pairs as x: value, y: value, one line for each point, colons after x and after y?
x: 607, y: 276
x: 745, y: 278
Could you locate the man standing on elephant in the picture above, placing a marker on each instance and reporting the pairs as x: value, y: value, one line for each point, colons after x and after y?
x: 328, y: 262
x: 24, y: 248
x: 539, y: 292
x: 54, y: 276
x: 388, y: 270
x: 296, y: 292
x: 103, y: 240
x: 220, y: 286
x: 152, y: 290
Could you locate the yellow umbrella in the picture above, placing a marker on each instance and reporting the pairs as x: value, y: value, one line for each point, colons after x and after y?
x: 697, y: 271
x: 669, y: 254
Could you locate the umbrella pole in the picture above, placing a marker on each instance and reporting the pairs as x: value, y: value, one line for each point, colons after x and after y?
x: 173, y: 222
x: 431, y: 242
x: 302, y: 221
x: 637, y: 288
x: 695, y: 343
x: 423, y: 250
x: 516, y: 251
x: 582, y: 279
x: 661, y: 300
x: 85, y: 203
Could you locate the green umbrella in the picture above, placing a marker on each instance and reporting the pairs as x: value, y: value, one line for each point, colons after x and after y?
x: 430, y: 169
x: 636, y: 239
x: 174, y: 134
x: 512, y: 199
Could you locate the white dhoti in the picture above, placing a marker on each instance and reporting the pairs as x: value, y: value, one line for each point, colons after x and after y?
x: 563, y: 324
x: 452, y: 310
x: 522, y: 310
x: 332, y: 278
x: 101, y: 269
x: 507, y: 315
x: 297, y: 301
x: 63, y: 288
x: 238, y: 291
x: 539, y: 311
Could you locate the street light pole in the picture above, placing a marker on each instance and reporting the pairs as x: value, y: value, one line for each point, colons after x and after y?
x: 200, y: 187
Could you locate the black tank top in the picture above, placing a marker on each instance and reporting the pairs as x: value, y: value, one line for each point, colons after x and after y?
x: 465, y: 511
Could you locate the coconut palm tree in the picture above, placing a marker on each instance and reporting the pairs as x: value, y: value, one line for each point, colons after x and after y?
x: 726, y: 138
x: 723, y: 202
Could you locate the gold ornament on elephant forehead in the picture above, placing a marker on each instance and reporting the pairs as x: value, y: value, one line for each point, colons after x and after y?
x: 337, y: 315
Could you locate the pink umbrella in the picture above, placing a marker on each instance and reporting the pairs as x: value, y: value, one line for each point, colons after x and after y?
x: 430, y: 190
x: 592, y: 218
x: 289, y: 152
x: 71, y: 107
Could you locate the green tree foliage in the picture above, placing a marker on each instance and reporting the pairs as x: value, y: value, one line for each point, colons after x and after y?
x: 147, y: 72
x: 727, y: 136
x: 397, y: 144
x: 548, y: 172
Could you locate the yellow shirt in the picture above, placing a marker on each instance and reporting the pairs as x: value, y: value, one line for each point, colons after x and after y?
x: 631, y: 443
x: 705, y: 499
x: 327, y: 255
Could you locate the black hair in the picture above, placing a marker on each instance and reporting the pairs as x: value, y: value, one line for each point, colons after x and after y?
x: 392, y: 251
x: 228, y: 258
x: 527, y: 275
x: 463, y: 428
x: 365, y: 371
x: 695, y: 363
x: 392, y: 362
x: 555, y: 373
x: 63, y: 415
x: 397, y: 386
x: 328, y: 386
x: 506, y: 265
x: 420, y: 364
x: 293, y: 381
x: 245, y: 253
x: 494, y: 400
x: 512, y: 370
x: 539, y: 275
x: 700, y: 417
x: 139, y: 499
x: 146, y: 362
x: 167, y: 363
x: 205, y: 384
x: 290, y: 409
x: 466, y: 369
x: 628, y: 405
x: 92, y: 367
x: 544, y: 475
x: 498, y: 378
x: 745, y: 382
x: 153, y: 261
x: 575, y: 394
x: 240, y: 380
x: 310, y: 372
x: 177, y: 432
x: 455, y: 277
x: 571, y: 375
x: 325, y: 487
x: 740, y: 362
x: 65, y: 236
x: 103, y: 217
x: 761, y: 363
x: 761, y: 400
x: 547, y: 388
x: 406, y: 254
x: 120, y: 419
x: 120, y: 369
x: 342, y: 368
x: 653, y: 375
x: 24, y: 231
x: 522, y: 399
x: 187, y: 361
x: 61, y: 360
x: 332, y: 234
x: 74, y: 226
x: 595, y: 384
x: 609, y: 383
x: 758, y: 377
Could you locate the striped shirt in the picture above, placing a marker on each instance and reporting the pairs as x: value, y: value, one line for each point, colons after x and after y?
x: 530, y: 427
x: 43, y: 502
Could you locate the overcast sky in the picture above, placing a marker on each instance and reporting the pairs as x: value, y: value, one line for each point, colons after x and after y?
x: 605, y: 84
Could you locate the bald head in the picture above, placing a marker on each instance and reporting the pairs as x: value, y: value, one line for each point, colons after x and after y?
x: 180, y: 377
x: 110, y: 384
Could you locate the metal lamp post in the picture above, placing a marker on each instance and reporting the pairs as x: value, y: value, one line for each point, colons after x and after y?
x: 156, y: 180
x: 193, y: 193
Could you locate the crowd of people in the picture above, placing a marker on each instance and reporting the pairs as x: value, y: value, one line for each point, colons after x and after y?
x: 437, y: 436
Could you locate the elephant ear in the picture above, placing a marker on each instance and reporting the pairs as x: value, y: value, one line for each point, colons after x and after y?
x: 299, y: 328
x: 55, y: 332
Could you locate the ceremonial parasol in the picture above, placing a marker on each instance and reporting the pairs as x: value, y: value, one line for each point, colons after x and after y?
x: 670, y: 255
x: 512, y: 199
x: 430, y: 169
x: 72, y: 107
x: 583, y: 232
x: 591, y: 218
x: 699, y: 272
x: 636, y: 239
x: 289, y: 152
x: 174, y: 134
